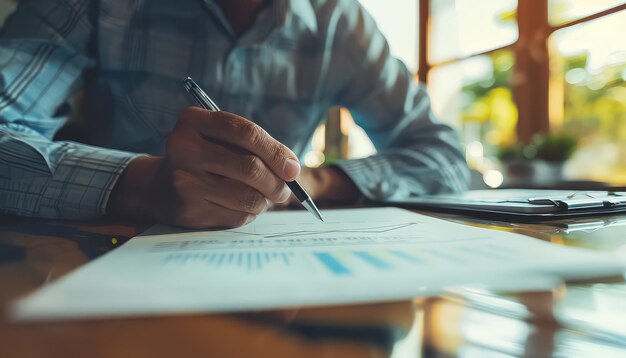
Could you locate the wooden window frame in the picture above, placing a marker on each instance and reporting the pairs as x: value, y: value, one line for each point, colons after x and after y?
x: 531, y: 76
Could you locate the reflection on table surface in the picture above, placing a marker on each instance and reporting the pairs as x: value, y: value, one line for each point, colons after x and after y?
x: 574, y: 319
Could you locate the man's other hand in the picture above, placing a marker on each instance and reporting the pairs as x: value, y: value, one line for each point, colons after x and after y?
x: 325, y: 185
x: 220, y: 170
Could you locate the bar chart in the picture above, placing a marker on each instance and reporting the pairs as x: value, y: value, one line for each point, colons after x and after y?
x: 339, y: 262
x: 300, y: 242
x: 250, y: 261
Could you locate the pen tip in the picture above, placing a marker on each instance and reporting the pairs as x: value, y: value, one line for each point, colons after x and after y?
x: 310, y: 206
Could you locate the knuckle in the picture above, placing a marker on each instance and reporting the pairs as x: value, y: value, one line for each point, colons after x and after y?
x: 256, y: 135
x: 252, y: 168
x: 279, y: 154
x: 242, y: 219
x: 251, y: 132
x: 253, y: 203
x: 277, y: 191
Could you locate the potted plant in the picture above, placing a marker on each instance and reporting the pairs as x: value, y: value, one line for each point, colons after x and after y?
x: 554, y: 150
x: 540, y: 160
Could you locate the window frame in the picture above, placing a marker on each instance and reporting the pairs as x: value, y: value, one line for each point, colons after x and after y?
x: 531, y: 89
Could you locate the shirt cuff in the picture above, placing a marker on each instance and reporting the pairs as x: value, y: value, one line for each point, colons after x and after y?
x: 82, y: 182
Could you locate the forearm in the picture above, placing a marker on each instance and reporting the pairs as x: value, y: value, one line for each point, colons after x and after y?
x: 398, y: 173
x: 55, y: 179
x: 417, y: 154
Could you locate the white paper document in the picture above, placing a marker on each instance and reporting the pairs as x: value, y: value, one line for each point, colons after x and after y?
x: 287, y: 259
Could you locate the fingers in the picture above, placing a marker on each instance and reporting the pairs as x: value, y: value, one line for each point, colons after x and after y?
x: 224, y: 170
x: 238, y: 131
x: 235, y: 196
x: 200, y: 208
x: 205, y: 160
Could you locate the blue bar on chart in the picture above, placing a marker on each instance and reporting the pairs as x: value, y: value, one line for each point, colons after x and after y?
x: 407, y: 257
x: 332, y: 264
x: 251, y: 261
x: 372, y: 260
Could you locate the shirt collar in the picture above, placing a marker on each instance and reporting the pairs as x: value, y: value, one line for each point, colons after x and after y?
x: 288, y: 10
x: 284, y: 12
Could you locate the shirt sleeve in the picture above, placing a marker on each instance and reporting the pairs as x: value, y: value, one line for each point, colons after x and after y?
x: 417, y: 154
x: 43, y: 51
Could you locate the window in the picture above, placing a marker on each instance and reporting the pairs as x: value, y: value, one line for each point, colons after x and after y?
x: 588, y: 96
x: 470, y: 64
x: 502, y: 71
x: 397, y: 20
x: 563, y: 11
x: 464, y: 27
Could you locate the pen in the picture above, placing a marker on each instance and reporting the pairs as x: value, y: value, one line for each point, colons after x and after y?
x: 204, y: 101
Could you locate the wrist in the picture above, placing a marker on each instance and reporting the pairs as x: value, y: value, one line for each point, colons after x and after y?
x: 331, y: 184
x: 133, y: 194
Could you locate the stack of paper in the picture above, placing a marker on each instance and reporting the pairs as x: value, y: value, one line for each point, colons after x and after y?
x: 288, y: 259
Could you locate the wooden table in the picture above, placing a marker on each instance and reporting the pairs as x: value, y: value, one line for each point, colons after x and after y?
x: 581, y: 319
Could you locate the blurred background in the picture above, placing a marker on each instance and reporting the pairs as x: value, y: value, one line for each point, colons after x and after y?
x: 535, y: 88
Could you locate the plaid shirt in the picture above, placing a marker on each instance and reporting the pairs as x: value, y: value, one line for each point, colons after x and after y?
x: 299, y: 58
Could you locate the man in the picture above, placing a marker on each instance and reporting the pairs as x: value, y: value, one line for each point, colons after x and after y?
x: 280, y: 64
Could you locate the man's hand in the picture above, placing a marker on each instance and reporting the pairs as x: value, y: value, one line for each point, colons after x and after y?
x: 220, y: 170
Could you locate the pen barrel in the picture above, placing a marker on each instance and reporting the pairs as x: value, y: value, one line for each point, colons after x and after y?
x: 297, y: 190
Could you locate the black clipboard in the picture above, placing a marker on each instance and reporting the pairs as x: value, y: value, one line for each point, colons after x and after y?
x: 523, y: 203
